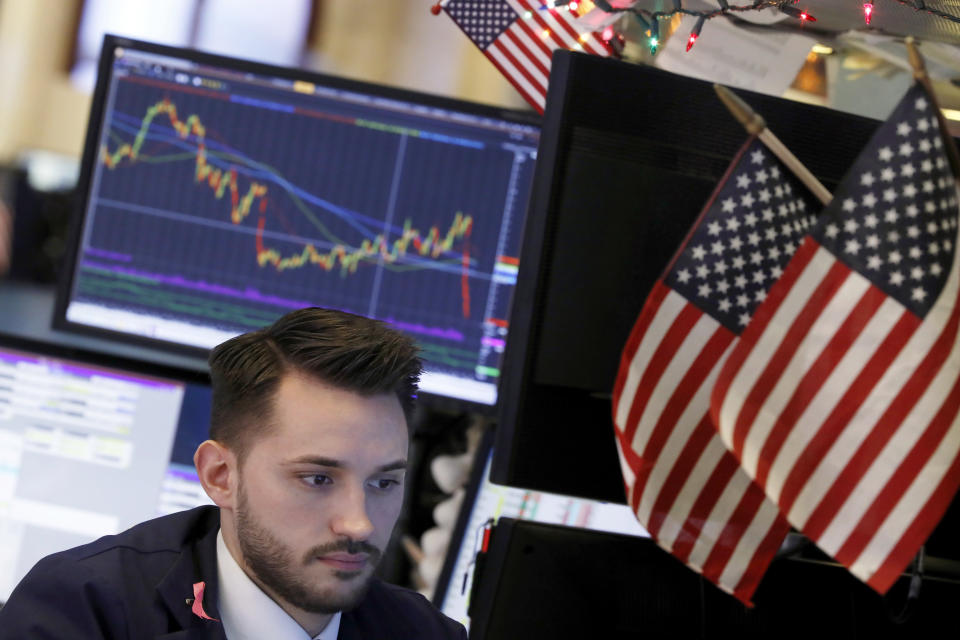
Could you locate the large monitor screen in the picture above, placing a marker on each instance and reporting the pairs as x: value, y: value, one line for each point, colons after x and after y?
x: 85, y: 451
x: 220, y: 194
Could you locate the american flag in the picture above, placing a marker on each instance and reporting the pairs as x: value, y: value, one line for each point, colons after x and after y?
x: 686, y: 489
x: 519, y: 37
x: 842, y: 397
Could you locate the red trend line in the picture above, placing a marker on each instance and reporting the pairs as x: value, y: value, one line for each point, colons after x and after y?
x: 465, y: 277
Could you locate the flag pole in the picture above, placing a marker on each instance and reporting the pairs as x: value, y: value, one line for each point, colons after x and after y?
x: 755, y: 125
x: 920, y: 75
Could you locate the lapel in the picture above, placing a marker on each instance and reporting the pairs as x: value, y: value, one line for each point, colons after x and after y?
x: 197, y: 563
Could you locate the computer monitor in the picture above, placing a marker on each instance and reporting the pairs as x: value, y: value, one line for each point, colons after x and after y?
x: 629, y: 156
x: 218, y: 194
x: 485, y: 502
x: 85, y: 448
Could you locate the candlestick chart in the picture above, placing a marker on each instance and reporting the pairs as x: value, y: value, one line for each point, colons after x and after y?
x: 226, y: 210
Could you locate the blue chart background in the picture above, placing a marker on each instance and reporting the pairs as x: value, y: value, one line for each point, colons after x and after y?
x: 149, y: 210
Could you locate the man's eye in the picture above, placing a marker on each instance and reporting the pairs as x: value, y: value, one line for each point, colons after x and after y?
x: 317, y: 479
x: 385, y: 484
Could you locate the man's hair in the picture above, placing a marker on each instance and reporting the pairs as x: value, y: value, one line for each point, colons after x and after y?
x: 341, y: 349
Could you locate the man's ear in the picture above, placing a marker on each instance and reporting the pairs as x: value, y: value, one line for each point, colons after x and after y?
x: 217, y: 469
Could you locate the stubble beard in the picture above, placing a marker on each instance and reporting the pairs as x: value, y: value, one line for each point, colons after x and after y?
x: 275, y: 566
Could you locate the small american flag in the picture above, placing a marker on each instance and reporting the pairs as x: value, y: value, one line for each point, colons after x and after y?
x: 686, y: 489
x: 842, y: 397
x: 519, y: 37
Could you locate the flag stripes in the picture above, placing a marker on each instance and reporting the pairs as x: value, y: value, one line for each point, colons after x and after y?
x: 687, y: 490
x: 867, y: 470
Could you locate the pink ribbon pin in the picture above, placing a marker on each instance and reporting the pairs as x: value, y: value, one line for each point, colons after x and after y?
x: 197, y: 607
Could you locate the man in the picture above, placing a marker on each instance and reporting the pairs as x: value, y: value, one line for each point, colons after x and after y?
x: 306, y: 466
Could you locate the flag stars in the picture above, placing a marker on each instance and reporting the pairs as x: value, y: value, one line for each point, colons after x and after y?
x: 747, y: 200
x: 699, y: 253
x: 723, y: 286
x: 910, y: 190
x: 885, y: 154
x: 918, y: 294
x: 760, y: 176
x: 756, y: 258
x: 923, y: 125
x: 870, y: 221
x: 753, y: 239
x: 915, y: 252
x: 849, y: 205
x: 759, y: 276
x: 936, y: 269
x: 776, y: 272
x: 703, y: 271
x: 852, y: 247
x: 724, y: 305
x: 896, y: 278
x: 770, y: 234
x: 728, y: 205
x: 916, y: 273
x: 704, y: 291
x: 924, y: 145
x: 757, y: 157
x: 926, y: 166
x: 717, y: 248
x: 874, y: 262
x: 767, y: 214
x: 894, y: 257
x: 889, y: 195
x: 736, y: 243
x: 851, y: 226
x: 744, y: 319
x: 927, y: 186
x: 904, y: 129
x: 832, y: 231
x: 760, y: 295
x: 869, y: 200
x: 775, y: 172
x: 743, y: 300
x: 906, y: 149
x: 873, y: 241
x: 912, y: 210
x: 891, y: 216
x: 887, y: 174
x: 733, y: 224
x: 913, y: 231
x: 720, y: 267
x: 763, y: 196
x: 920, y: 104
x: 683, y: 276
x: 750, y: 219
x: 740, y: 282
x: 867, y: 179
x: 907, y: 170
x: 893, y: 237
x: 739, y: 263
x: 713, y: 228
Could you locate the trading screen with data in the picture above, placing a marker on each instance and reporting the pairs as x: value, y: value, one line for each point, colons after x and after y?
x: 219, y: 195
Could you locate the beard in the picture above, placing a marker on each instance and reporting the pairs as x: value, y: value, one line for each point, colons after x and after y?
x: 276, y: 567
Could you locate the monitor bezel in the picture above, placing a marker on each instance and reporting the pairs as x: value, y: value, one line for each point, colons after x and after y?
x: 471, y: 493
x: 89, y: 157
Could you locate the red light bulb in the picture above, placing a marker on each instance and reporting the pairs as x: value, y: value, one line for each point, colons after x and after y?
x: 573, y: 5
x: 692, y: 40
x: 867, y: 11
x: 607, y: 34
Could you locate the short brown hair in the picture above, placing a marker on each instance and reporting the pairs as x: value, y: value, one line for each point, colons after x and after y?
x: 344, y: 350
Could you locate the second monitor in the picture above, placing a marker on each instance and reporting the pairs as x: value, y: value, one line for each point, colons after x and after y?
x: 219, y: 194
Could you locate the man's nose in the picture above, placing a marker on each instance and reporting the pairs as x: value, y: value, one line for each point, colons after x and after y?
x: 351, y: 519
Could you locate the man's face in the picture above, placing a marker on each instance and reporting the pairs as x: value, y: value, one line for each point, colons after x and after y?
x: 320, y: 492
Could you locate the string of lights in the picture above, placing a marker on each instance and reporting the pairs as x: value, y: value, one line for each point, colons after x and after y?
x: 649, y: 19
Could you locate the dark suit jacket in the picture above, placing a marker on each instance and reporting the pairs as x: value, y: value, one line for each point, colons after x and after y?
x: 139, y: 585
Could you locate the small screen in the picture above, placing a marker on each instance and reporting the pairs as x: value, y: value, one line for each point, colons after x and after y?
x: 85, y: 451
x: 222, y: 195
x: 493, y: 501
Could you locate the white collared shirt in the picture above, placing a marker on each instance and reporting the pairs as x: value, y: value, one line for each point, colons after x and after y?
x: 247, y: 613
